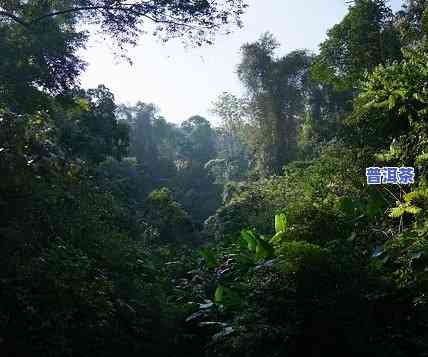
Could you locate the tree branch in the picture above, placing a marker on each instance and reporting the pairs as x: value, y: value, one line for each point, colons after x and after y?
x: 80, y: 9
x: 177, y: 23
x: 13, y: 17
x: 122, y: 7
x: 4, y: 13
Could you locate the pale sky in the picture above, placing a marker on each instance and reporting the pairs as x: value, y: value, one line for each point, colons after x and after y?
x: 184, y: 81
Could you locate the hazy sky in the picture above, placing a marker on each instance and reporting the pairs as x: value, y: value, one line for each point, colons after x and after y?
x: 184, y: 82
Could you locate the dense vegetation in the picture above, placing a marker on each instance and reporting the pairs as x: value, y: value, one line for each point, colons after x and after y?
x: 124, y: 234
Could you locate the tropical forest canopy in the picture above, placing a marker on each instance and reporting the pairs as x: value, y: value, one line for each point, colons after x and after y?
x: 124, y: 234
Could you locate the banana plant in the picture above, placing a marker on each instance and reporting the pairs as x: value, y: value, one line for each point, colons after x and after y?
x: 258, y: 245
x: 254, y: 247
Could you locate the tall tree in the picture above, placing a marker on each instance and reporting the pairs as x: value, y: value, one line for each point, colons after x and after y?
x: 88, y: 126
x: 233, y: 138
x: 276, y: 90
x: 199, y: 140
x: 38, y: 62
x: 365, y: 38
x: 143, y: 143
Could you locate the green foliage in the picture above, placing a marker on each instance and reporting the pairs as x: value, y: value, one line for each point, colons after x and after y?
x: 218, y: 295
x: 175, y: 157
x: 296, y: 295
x: 167, y: 216
x: 233, y: 143
x: 257, y: 245
x: 365, y: 38
x: 301, y: 255
x: 392, y: 107
x: 272, y: 85
x: 199, y: 143
x: 195, y: 188
x: 88, y: 127
x: 71, y: 276
x: 194, y: 185
x: 280, y: 223
x: 39, y: 60
x: 98, y: 255
x: 209, y: 258
x: 313, y: 194
x: 411, y: 21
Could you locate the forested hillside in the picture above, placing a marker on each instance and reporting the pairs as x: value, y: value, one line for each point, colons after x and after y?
x: 124, y: 234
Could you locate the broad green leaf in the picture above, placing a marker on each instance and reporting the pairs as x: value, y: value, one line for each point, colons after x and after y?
x: 391, y: 101
x: 231, y: 298
x: 250, y: 238
x: 264, y: 249
x: 346, y: 205
x: 280, y: 223
x: 209, y: 257
x: 374, y: 207
x: 218, y: 295
x: 278, y: 238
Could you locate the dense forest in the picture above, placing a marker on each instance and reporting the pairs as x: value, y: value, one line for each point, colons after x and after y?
x: 123, y: 234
